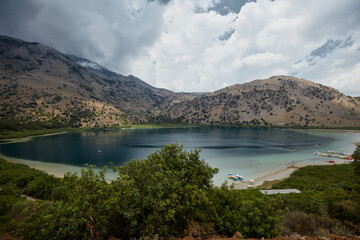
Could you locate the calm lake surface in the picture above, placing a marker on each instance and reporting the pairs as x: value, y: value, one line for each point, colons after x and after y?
x: 249, y: 152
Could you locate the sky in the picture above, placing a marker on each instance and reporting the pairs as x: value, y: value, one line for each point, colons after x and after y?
x: 200, y: 45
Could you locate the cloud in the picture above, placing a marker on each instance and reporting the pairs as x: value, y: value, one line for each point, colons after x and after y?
x: 225, y: 7
x: 227, y: 34
x: 208, y: 50
x: 161, y: 1
x: 200, y: 45
x: 109, y: 33
x: 263, y: 59
x: 327, y: 48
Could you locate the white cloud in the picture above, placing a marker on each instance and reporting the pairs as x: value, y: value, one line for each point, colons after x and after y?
x: 263, y: 59
x: 177, y: 46
x: 89, y: 64
x: 269, y: 38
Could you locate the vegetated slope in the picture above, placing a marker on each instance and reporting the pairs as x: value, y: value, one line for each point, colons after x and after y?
x: 279, y: 100
x: 41, y: 83
x: 38, y: 83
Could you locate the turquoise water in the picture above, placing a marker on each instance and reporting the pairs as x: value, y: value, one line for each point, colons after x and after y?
x: 249, y: 152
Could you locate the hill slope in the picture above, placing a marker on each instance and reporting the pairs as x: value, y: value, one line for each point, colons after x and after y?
x: 279, y: 100
x: 40, y: 83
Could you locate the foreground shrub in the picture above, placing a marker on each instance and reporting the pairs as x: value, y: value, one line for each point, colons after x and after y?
x: 170, y: 194
x: 315, y: 225
x: 34, y: 182
x: 162, y: 194
x: 246, y: 211
x: 321, y: 177
x: 168, y: 190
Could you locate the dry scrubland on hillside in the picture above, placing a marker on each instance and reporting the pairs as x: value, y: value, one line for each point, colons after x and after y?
x: 38, y: 83
x: 279, y: 100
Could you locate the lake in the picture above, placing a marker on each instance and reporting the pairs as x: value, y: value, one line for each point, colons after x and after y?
x: 250, y: 152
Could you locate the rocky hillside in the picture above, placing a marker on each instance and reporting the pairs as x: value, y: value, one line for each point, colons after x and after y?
x: 41, y: 83
x: 279, y: 100
x: 38, y: 83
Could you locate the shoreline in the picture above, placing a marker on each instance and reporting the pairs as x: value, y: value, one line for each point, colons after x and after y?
x: 42, y: 166
x: 150, y: 126
x: 269, y: 175
x: 24, y: 139
x: 56, y: 169
x: 131, y: 127
x: 273, y: 176
x: 280, y: 175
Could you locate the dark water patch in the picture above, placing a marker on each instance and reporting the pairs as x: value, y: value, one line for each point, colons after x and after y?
x: 142, y: 146
x: 118, y: 146
x: 229, y: 147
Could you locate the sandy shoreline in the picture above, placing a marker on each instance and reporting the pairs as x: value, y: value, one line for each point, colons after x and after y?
x: 59, y: 170
x: 24, y: 139
x: 56, y: 169
x: 283, y: 173
x: 42, y: 166
x: 280, y: 174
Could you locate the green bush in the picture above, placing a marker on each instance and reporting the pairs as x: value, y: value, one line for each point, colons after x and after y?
x: 249, y: 212
x: 309, y: 201
x: 341, y: 205
x: 8, y: 197
x: 33, y: 182
x: 314, y: 225
x: 168, y: 190
x: 320, y: 178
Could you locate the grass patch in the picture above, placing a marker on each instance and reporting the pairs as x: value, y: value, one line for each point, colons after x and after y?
x: 159, y: 126
x: 268, y: 184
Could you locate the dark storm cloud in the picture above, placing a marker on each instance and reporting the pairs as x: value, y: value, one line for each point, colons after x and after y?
x: 227, y: 34
x: 160, y: 1
x: 14, y: 16
x: 324, y: 50
x: 167, y: 44
x: 347, y: 43
x: 108, y: 32
x: 224, y: 7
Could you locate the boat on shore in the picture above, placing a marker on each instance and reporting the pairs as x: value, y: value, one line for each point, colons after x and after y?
x: 335, y: 154
x: 236, y: 177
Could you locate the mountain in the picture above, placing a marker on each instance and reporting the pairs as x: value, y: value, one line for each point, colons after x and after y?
x: 41, y: 83
x: 38, y: 83
x: 279, y: 100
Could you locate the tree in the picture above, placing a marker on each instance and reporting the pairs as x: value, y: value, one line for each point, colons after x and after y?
x: 356, y: 157
x: 169, y: 188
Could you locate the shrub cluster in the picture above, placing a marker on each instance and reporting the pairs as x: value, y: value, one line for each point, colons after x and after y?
x: 170, y: 194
